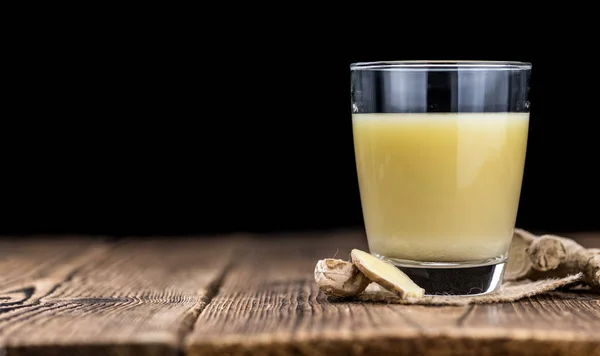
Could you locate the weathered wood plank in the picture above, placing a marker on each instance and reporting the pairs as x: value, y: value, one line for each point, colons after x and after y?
x: 138, y: 298
x: 31, y: 268
x: 269, y: 305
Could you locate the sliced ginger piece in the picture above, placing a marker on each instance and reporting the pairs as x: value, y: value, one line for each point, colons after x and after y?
x: 339, y: 278
x: 386, y: 275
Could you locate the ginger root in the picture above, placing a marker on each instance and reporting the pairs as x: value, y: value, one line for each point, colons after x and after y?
x: 386, y: 275
x: 550, y: 256
x: 339, y: 278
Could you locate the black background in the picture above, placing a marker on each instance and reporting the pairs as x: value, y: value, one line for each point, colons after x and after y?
x: 143, y: 144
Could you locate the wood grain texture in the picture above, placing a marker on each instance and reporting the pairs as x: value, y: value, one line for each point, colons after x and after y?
x: 269, y: 305
x: 32, y: 268
x: 137, y: 297
x: 251, y: 295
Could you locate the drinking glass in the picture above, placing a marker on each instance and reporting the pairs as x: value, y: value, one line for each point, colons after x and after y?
x: 440, y: 150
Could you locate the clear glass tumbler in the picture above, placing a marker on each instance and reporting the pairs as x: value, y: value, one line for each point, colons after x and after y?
x: 440, y: 150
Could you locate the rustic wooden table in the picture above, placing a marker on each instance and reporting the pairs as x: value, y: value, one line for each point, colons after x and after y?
x: 250, y: 295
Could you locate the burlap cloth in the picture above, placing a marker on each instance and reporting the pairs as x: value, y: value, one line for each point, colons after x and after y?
x: 510, y: 292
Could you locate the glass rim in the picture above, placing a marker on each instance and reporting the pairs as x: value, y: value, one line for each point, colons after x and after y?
x: 441, y: 65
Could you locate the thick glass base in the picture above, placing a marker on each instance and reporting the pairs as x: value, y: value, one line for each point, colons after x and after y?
x: 464, y: 278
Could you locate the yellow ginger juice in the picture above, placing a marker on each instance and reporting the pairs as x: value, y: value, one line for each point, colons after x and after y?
x: 440, y: 187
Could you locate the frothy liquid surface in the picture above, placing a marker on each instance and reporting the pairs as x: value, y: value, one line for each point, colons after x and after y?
x: 440, y: 187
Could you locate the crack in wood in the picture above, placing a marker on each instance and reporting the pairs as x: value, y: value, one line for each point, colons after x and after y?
x: 461, y: 320
x: 212, y: 290
x: 77, y: 302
